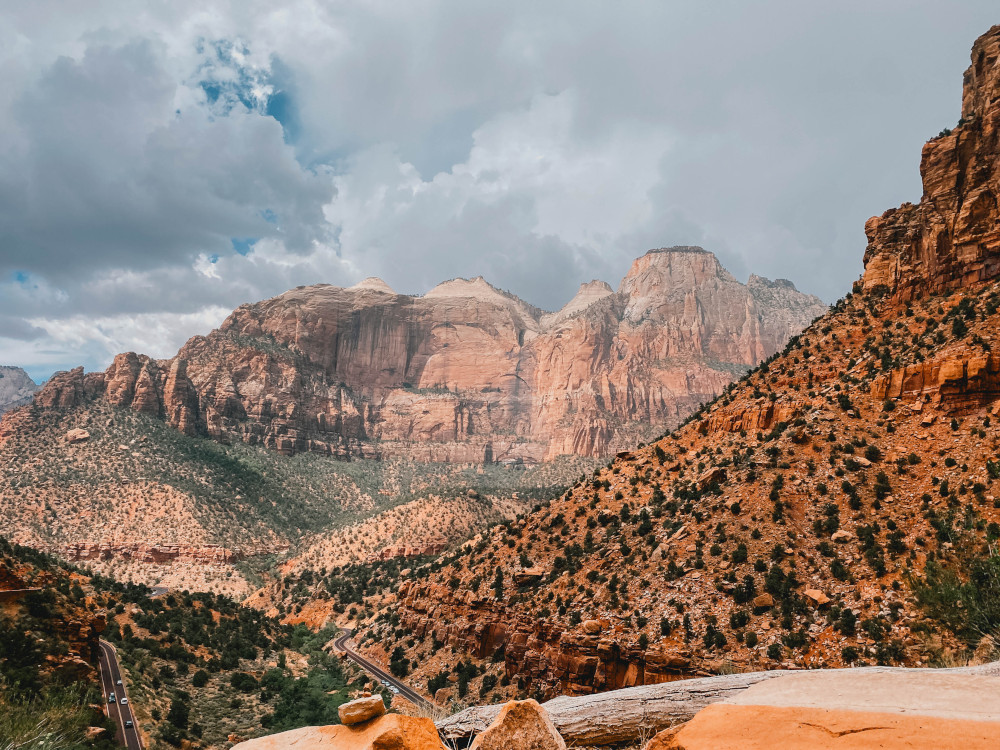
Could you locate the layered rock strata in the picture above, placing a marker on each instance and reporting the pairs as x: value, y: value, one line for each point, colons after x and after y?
x: 207, y: 554
x: 951, y: 239
x: 466, y: 373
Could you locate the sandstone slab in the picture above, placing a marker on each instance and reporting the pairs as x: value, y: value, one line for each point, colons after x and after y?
x: 729, y: 727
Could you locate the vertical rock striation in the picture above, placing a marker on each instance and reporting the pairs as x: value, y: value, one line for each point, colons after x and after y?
x: 465, y: 373
x: 951, y: 239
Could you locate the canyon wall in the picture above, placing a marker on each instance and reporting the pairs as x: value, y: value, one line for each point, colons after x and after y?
x: 465, y: 373
x: 951, y: 239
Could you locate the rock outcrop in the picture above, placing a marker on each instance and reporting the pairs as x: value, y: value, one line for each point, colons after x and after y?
x: 465, y: 373
x: 388, y: 732
x: 205, y: 554
x: 520, y: 725
x: 16, y: 388
x: 956, y: 385
x: 951, y: 239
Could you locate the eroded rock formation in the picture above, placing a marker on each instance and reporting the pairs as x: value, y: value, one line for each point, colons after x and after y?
x: 465, y: 373
x: 207, y: 554
x: 951, y: 239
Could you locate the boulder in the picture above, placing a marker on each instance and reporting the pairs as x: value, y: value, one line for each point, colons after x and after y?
x: 77, y: 435
x: 763, y: 600
x: 529, y: 576
x: 388, y: 732
x: 520, y: 725
x: 361, y: 710
x: 591, y: 627
x: 816, y: 596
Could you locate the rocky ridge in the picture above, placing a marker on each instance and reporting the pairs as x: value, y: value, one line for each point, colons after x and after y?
x: 799, y: 520
x: 466, y: 373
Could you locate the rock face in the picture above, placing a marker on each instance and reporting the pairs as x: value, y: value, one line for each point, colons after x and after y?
x: 16, y: 388
x: 389, y: 732
x: 956, y: 385
x: 465, y: 373
x: 951, y: 239
x: 521, y: 725
x: 205, y: 554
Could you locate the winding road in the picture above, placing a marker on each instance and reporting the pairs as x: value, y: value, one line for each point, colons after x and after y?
x: 407, y: 692
x: 111, y: 675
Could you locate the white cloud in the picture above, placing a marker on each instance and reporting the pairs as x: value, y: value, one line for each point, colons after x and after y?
x: 538, y: 144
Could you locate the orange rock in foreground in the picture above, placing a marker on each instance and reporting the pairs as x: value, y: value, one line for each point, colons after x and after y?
x: 725, y: 727
x: 521, y: 725
x: 389, y: 732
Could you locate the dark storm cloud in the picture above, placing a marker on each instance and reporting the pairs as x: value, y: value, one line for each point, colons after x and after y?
x: 537, y: 144
x: 105, y: 171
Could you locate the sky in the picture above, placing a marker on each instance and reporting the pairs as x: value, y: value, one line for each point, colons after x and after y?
x: 163, y: 162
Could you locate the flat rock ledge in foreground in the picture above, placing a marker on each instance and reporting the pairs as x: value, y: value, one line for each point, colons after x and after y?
x: 626, y: 716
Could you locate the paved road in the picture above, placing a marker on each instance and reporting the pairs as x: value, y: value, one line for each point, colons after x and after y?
x: 111, y: 673
x: 407, y: 692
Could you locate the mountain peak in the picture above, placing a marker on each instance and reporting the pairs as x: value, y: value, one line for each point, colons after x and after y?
x: 586, y: 295
x: 375, y: 284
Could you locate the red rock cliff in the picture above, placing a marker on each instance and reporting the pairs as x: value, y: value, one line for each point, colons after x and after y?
x: 951, y: 239
x: 466, y: 372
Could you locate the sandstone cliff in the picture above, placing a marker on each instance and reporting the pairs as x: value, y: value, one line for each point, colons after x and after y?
x: 16, y: 388
x: 951, y: 239
x: 465, y: 373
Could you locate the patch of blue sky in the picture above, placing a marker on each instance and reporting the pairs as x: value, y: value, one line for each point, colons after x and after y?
x: 243, y: 245
x: 229, y: 81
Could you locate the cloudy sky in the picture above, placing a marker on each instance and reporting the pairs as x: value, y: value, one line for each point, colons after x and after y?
x: 163, y: 162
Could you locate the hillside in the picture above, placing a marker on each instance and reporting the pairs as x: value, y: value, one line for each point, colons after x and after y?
x: 838, y: 506
x: 49, y: 628
x: 199, y: 668
x: 466, y: 373
x: 127, y: 495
